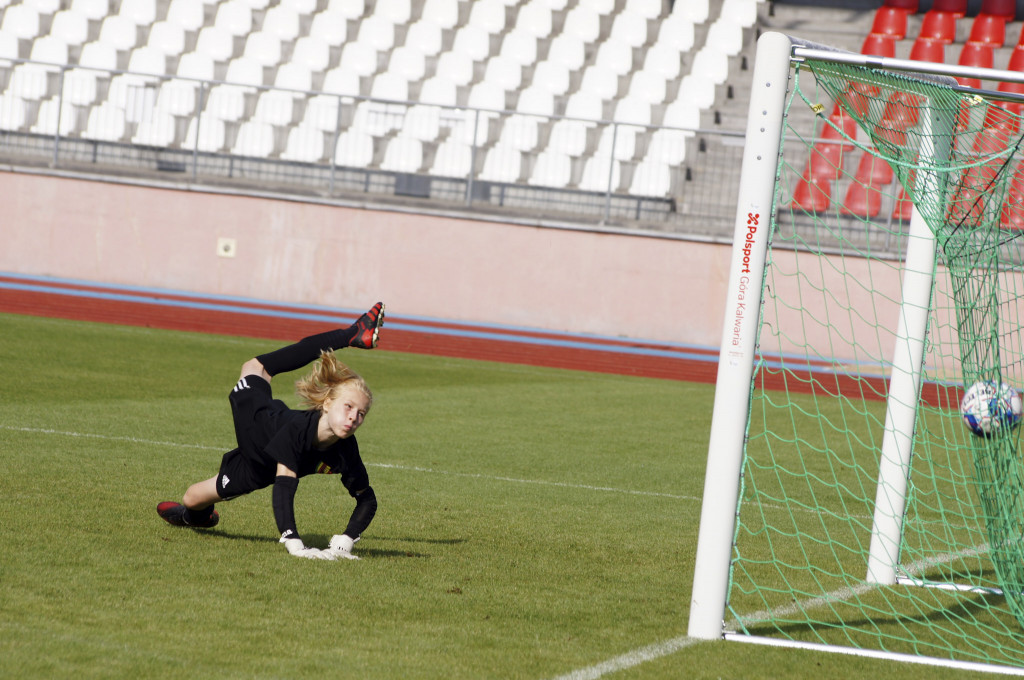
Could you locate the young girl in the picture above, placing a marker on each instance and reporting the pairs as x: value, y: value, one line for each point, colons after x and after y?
x: 278, y: 445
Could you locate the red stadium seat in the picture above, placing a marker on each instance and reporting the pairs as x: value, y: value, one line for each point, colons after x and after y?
x: 1006, y: 115
x: 902, y: 209
x: 873, y: 171
x: 955, y: 7
x: 909, y: 6
x: 889, y: 21
x: 864, y: 196
x: 929, y: 49
x: 1000, y: 8
x: 989, y: 29
x: 1016, y: 62
x: 938, y: 25
x: 1013, y: 208
x: 879, y: 45
x: 861, y: 201
x: 978, y: 54
x: 812, y: 195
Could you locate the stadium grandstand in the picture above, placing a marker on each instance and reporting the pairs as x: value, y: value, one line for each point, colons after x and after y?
x: 622, y: 113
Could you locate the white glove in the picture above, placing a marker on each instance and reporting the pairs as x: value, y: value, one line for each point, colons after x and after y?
x: 341, y: 547
x: 297, y: 547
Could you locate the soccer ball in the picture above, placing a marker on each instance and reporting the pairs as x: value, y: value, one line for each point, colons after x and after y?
x: 988, y: 407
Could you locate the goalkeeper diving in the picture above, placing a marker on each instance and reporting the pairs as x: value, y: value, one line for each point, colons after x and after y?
x: 278, y: 445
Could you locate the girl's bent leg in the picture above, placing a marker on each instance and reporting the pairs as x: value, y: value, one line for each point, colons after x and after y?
x: 201, y: 494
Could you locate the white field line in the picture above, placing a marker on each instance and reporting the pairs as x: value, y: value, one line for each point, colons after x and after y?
x: 390, y: 466
x: 661, y: 649
x: 623, y: 661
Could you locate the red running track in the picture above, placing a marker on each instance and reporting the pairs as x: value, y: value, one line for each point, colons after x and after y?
x: 230, y: 316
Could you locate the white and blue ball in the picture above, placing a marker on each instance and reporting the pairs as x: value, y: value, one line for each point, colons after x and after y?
x: 989, y: 407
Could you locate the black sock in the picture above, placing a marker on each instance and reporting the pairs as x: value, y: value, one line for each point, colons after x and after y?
x: 197, y: 516
x: 305, y: 351
x: 284, y: 505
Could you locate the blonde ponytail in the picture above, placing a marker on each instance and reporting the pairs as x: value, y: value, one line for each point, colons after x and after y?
x: 327, y: 376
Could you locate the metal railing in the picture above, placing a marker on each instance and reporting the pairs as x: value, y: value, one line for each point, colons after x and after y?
x: 337, y: 146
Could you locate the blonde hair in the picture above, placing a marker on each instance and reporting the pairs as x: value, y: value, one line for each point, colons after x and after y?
x: 328, y: 376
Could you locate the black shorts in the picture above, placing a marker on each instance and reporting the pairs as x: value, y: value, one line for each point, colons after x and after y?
x: 241, y: 470
x: 239, y: 476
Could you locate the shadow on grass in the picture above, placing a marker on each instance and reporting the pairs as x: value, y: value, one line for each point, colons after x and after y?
x: 317, y: 540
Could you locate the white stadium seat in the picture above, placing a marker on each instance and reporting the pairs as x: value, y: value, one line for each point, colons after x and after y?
x: 520, y: 47
x: 12, y: 112
x: 141, y: 12
x: 551, y: 76
x: 196, y: 65
x: 255, y: 138
x: 351, y: 9
x: 616, y: 56
x: 472, y: 42
x: 119, y: 31
x: 537, y: 101
x: 582, y: 22
x: 650, y: 178
x: 600, y: 173
x: 20, y: 20
x: 177, y: 97
x: 425, y: 36
x: 647, y: 86
x: 235, y: 17
x: 226, y: 102
x: 354, y: 149
x: 283, y: 21
x: 648, y: 9
x: 600, y: 80
x: 263, y: 48
x: 535, y: 18
x: 394, y: 11
x: 488, y: 15
x: 439, y: 90
x: 452, y: 158
x: 321, y: 113
x: 668, y: 146
x: 568, y: 137
x: 94, y: 9
x: 502, y: 164
x: 341, y: 81
x: 98, y: 55
x: 216, y: 43
x: 407, y: 62
x: 377, y: 32
x: 244, y: 71
x: 331, y: 26
x: 359, y: 58
x: 455, y: 68
x: 442, y: 13
x: 205, y: 134
x: 422, y: 122
x: 275, y: 107
x: 80, y: 86
x: 503, y: 72
x: 157, y: 129
x: 311, y: 52
x: 56, y: 117
x: 403, y: 154
x: 551, y: 169
x: 106, y: 123
x: 630, y: 28
x: 305, y: 144
x: 189, y: 14
x: 568, y: 51
x: 69, y: 26
x: 148, y: 60
x: 168, y: 37
x: 520, y: 132
x: 294, y: 76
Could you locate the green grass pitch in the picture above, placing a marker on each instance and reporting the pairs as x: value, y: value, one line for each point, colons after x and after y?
x: 533, y: 523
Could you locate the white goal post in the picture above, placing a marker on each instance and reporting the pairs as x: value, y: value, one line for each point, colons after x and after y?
x: 739, y: 352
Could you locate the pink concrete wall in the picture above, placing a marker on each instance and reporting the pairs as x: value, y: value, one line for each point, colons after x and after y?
x: 478, y: 271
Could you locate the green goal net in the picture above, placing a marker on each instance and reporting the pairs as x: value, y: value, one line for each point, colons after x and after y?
x: 867, y: 152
